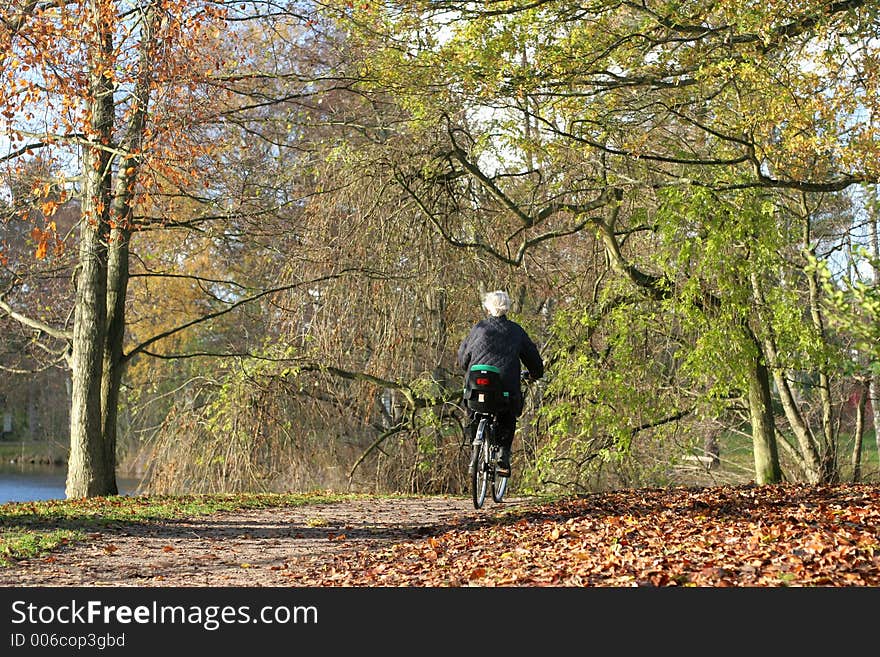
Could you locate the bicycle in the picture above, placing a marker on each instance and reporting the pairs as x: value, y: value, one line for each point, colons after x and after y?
x: 483, y: 395
x: 484, y: 461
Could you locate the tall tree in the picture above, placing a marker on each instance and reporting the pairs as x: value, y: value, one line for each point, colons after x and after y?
x: 116, y: 83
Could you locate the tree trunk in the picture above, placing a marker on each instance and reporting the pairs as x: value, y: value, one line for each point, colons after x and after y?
x: 809, y: 453
x: 828, y: 449
x: 874, y: 399
x: 112, y: 367
x: 32, y: 424
x: 766, y: 455
x: 859, y: 432
x: 119, y: 243
x: 874, y: 388
x: 712, y: 450
x: 87, y: 471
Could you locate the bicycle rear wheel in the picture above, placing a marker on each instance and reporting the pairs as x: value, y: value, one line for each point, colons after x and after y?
x: 480, y: 468
x: 499, y: 482
x: 499, y: 486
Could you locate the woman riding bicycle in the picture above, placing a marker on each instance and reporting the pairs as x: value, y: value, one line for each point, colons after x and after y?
x: 502, y: 343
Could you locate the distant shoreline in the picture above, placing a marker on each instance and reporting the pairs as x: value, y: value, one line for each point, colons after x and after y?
x: 36, y: 460
x: 32, y: 452
x: 44, y: 455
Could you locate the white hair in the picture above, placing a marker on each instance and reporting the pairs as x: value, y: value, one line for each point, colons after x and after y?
x: 496, y: 303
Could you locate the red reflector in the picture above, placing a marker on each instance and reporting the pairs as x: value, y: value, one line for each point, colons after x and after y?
x: 482, y: 381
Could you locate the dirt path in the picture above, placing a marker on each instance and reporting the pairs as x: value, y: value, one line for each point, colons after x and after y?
x: 260, y: 547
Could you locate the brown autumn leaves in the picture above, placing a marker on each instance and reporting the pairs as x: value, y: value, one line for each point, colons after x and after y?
x: 747, y: 536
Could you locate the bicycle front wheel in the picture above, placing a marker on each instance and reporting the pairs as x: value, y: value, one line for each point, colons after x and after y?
x: 480, y: 468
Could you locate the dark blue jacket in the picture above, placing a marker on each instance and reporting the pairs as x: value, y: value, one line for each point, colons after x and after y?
x: 503, y: 343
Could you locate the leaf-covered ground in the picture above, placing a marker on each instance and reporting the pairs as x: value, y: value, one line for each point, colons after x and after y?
x: 746, y: 536
x: 712, y: 537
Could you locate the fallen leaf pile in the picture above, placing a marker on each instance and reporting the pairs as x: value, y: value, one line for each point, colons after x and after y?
x: 744, y: 536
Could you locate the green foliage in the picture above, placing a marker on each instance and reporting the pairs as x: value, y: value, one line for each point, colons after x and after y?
x: 609, y: 382
x: 733, y: 241
x: 854, y: 307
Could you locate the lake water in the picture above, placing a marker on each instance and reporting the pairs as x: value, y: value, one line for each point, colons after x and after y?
x: 36, y: 483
